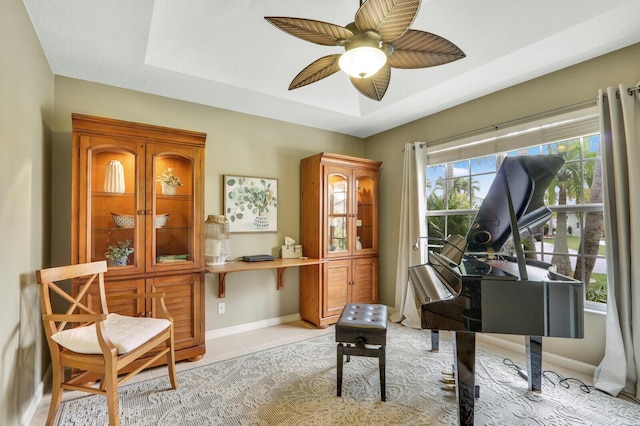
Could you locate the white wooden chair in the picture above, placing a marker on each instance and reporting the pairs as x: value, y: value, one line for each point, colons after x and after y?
x: 108, y: 345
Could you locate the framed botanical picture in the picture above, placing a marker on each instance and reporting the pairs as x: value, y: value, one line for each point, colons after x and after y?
x: 251, y: 203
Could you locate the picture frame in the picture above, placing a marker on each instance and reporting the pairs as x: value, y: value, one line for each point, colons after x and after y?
x: 251, y: 203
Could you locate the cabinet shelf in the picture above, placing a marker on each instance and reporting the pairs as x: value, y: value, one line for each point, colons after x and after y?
x: 131, y: 228
x: 113, y: 194
x: 174, y: 197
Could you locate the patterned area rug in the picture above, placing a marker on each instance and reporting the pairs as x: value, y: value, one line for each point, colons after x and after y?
x: 296, y: 385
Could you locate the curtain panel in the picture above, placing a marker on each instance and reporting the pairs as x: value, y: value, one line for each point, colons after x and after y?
x: 620, y: 142
x: 412, y: 225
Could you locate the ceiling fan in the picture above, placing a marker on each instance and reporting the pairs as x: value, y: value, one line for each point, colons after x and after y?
x: 379, y: 39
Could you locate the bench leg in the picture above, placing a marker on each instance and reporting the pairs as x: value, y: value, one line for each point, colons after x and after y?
x: 339, y: 365
x: 382, y: 367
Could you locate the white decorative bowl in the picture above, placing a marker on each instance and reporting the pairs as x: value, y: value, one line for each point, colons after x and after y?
x: 124, y: 220
x: 129, y: 221
x: 161, y: 220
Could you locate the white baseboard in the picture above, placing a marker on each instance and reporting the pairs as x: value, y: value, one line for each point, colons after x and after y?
x: 561, y: 361
x: 228, y: 331
x: 30, y: 412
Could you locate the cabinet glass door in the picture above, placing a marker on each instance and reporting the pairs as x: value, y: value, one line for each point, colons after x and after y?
x: 173, y: 207
x: 338, y: 213
x: 113, y: 228
x: 365, y: 212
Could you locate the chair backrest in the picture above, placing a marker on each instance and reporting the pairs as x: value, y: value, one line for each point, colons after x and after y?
x: 87, y: 274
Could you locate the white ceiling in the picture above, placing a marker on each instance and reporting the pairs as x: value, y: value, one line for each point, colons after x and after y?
x: 224, y: 54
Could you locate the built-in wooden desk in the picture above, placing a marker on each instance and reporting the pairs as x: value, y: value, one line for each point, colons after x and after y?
x: 239, y: 266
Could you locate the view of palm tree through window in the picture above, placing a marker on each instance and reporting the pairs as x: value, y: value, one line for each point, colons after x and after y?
x: 572, y: 240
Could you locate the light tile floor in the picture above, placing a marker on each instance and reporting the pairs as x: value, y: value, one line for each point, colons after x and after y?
x: 218, y: 349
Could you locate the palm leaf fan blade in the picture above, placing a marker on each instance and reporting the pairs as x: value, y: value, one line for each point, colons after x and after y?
x: 420, y: 49
x: 317, y: 70
x: 390, y: 18
x: 375, y: 86
x: 317, y: 32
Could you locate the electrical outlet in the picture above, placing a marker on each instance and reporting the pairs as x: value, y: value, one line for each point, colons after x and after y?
x: 221, y: 308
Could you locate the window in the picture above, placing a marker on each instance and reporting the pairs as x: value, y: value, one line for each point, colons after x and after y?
x: 572, y: 240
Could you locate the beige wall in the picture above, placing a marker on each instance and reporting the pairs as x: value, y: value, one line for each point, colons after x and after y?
x: 566, y: 87
x: 236, y: 144
x: 26, y: 105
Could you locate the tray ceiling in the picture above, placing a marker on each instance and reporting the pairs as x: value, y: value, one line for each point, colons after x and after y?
x: 224, y: 54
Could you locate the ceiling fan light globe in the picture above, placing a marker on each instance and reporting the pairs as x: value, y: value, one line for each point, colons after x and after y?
x: 362, y: 62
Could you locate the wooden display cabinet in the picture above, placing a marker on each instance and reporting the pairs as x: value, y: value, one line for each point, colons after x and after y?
x: 338, y: 223
x: 166, y: 231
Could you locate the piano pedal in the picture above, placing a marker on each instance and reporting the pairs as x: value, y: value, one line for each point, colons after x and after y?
x: 450, y: 384
x: 447, y: 373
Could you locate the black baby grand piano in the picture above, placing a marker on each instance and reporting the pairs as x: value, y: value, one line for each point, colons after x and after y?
x: 482, y: 290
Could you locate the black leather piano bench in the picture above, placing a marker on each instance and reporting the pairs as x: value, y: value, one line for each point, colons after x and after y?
x: 361, y: 330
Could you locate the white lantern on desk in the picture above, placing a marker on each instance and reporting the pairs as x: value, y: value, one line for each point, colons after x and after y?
x: 216, y: 240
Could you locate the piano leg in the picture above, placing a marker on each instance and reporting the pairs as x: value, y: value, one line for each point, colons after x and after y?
x: 534, y: 362
x: 435, y: 340
x: 465, y: 352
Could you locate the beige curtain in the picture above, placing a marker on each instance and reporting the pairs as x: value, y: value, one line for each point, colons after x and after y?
x: 620, y: 138
x: 412, y: 225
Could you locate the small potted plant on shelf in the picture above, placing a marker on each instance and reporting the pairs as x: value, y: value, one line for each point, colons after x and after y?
x: 118, y: 254
x: 169, y: 182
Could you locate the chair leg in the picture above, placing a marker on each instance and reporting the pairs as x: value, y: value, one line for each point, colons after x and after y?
x: 113, y: 406
x: 56, y: 394
x: 339, y: 365
x: 171, y: 363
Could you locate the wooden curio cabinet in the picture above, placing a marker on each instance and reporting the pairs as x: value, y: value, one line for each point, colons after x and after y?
x: 117, y: 197
x: 339, y: 224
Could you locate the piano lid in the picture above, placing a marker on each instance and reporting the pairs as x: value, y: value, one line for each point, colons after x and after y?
x: 528, y: 178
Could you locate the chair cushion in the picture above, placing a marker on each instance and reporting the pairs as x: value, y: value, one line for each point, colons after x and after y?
x: 126, y: 333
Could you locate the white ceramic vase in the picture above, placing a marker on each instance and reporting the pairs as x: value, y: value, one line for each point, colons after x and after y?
x: 114, y: 177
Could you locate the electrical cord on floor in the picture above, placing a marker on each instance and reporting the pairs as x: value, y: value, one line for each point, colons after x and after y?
x: 521, y: 371
x: 562, y: 381
x: 628, y: 396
